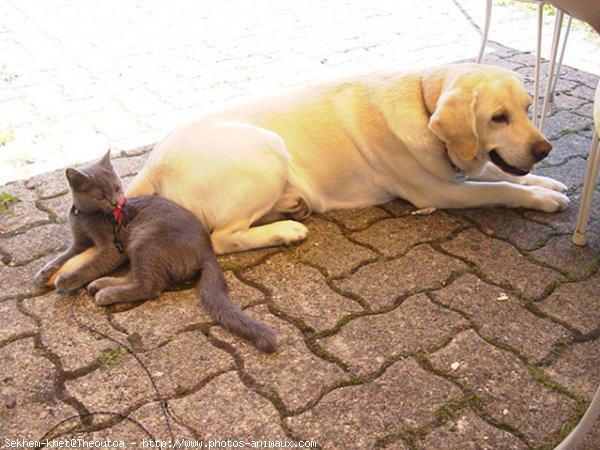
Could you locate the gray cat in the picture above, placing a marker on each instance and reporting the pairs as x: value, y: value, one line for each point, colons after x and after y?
x: 165, y: 244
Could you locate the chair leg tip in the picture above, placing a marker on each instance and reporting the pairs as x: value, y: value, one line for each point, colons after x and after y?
x: 579, y: 238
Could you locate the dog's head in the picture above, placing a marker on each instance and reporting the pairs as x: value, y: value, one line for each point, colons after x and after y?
x: 480, y: 113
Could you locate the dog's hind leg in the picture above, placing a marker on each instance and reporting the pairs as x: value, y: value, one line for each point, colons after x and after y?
x: 283, y: 232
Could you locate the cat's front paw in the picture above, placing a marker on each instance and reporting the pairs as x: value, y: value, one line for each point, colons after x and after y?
x: 68, y: 282
x: 43, y: 275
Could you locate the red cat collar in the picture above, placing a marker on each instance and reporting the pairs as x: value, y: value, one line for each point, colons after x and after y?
x: 118, y: 211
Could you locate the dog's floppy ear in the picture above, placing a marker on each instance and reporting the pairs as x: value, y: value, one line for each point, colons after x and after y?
x: 454, y: 123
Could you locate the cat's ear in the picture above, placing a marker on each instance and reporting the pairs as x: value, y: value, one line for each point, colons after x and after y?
x: 105, y: 161
x: 77, y: 180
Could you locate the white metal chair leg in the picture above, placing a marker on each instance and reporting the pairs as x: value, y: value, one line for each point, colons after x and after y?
x: 538, y: 61
x: 486, y: 30
x: 552, y: 63
x: 585, y: 425
x: 562, y: 55
x: 588, y: 191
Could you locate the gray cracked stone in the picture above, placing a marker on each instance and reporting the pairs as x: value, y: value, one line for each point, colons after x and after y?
x: 468, y: 431
x: 23, y: 212
x: 226, y: 409
x: 395, y: 236
x: 75, y: 346
x: 576, y: 368
x: 36, y: 242
x: 404, y: 397
x: 357, y: 219
x: 301, y: 291
x: 575, y: 304
x: 325, y: 240
x: 502, y: 263
x: 511, y: 226
x: 367, y: 342
x: 185, y: 363
x: 562, y: 253
x: 285, y: 371
x: 381, y: 283
x: 506, y: 388
x: 14, y: 323
x: 158, y: 320
x: 502, y: 317
x: 27, y: 382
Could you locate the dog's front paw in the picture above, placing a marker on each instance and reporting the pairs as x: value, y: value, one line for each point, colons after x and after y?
x: 548, y: 200
x: 68, y: 282
x: 545, y: 182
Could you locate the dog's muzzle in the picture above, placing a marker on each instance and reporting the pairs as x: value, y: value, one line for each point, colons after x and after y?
x: 539, y: 151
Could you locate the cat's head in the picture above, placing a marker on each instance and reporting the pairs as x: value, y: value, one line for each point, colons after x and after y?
x: 96, y: 187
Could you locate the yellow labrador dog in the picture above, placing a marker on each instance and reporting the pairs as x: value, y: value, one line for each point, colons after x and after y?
x: 454, y: 136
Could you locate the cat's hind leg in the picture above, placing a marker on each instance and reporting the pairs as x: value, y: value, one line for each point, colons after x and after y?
x: 141, y: 283
x: 125, y: 293
x: 104, y: 282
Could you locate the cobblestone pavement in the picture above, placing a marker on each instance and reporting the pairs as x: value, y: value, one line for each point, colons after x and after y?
x: 460, y: 329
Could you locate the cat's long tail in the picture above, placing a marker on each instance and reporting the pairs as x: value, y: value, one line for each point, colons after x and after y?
x: 212, y: 290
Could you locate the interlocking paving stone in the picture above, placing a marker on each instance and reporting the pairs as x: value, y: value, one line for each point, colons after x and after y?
x: 127, y: 77
x: 381, y: 283
x: 118, y: 386
x: 177, y: 375
x: 285, y: 371
x: 30, y: 406
x: 571, y: 173
x: 326, y: 238
x: 366, y: 343
x: 23, y: 212
x: 395, y: 236
x: 57, y: 208
x: 576, y: 368
x: 158, y: 320
x: 506, y: 388
x: 36, y: 242
x: 404, y: 397
x: 300, y: 291
x: 560, y: 252
x: 576, y: 304
x: 50, y: 184
x: 357, y: 219
x: 468, y: 431
x: 502, y: 263
x: 75, y: 346
x: 501, y: 317
x: 235, y: 412
x: 24, y: 274
x: 12, y: 322
x: 397, y: 445
x: 509, y: 225
x: 566, y: 147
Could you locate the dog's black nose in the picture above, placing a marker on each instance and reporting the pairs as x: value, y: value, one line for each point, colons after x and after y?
x: 541, y: 149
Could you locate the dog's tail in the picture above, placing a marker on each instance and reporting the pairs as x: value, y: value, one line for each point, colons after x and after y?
x: 212, y: 290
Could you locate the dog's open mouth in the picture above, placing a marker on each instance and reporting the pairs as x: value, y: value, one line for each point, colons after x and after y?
x: 497, y: 159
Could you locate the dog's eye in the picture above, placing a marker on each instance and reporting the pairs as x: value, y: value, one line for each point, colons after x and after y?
x: 500, y: 118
